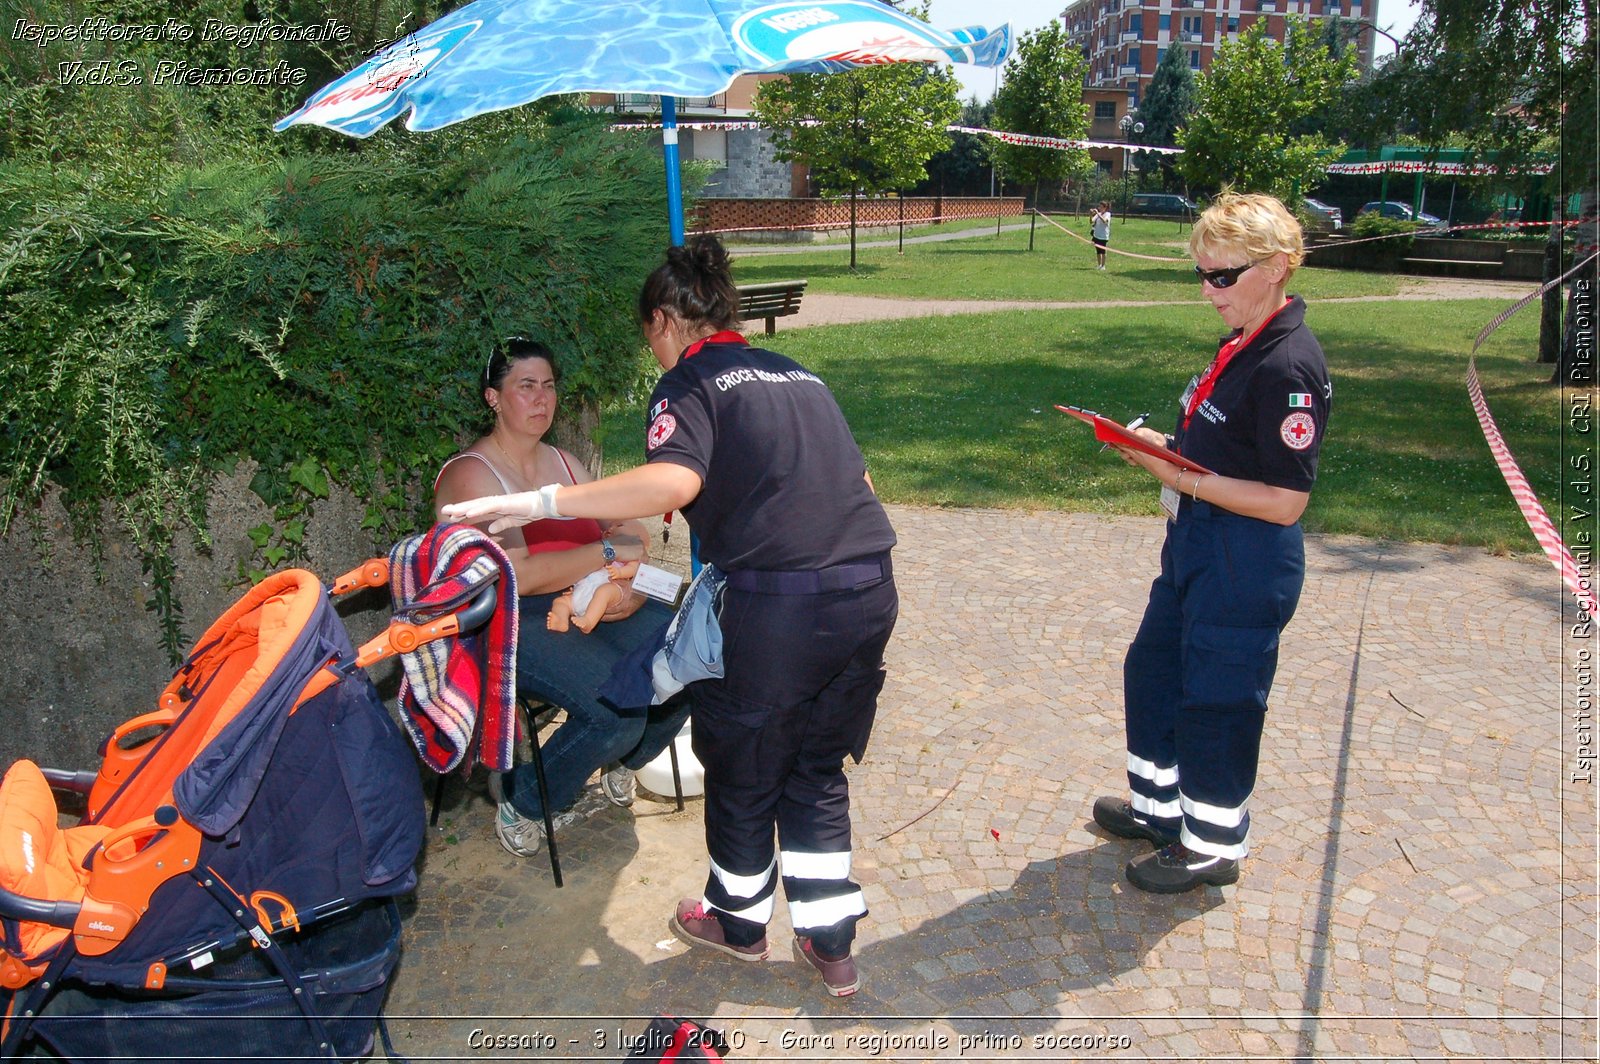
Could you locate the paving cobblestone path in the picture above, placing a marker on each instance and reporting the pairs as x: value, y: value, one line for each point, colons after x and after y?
x: 1421, y: 883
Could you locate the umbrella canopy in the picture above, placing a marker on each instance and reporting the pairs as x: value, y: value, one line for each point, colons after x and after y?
x: 494, y: 54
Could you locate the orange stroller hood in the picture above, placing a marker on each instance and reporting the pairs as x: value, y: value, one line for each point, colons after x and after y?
x: 236, y: 664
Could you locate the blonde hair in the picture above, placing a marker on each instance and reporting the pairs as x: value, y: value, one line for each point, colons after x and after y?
x: 1254, y: 223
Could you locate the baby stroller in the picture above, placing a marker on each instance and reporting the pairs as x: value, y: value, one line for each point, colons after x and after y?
x: 230, y: 892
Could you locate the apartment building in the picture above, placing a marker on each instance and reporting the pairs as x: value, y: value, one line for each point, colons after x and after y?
x: 746, y: 164
x: 1125, y: 39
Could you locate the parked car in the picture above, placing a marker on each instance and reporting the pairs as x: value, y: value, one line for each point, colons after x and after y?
x: 1162, y: 203
x: 1322, y: 215
x: 1401, y: 211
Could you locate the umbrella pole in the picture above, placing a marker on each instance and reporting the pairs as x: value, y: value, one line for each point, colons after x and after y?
x: 669, y: 153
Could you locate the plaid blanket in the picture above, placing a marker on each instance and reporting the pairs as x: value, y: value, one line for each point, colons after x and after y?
x: 458, y: 695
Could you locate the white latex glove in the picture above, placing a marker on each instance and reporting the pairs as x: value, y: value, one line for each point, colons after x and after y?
x: 506, y: 510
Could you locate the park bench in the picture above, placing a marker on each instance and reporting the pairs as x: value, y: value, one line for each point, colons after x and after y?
x: 771, y: 301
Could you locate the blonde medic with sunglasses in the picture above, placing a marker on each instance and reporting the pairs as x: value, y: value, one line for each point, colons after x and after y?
x: 1197, y: 677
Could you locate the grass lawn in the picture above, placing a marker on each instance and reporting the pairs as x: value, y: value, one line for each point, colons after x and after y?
x: 956, y: 411
x: 1001, y: 267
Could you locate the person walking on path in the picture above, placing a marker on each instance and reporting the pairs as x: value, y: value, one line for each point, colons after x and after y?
x: 1100, y: 232
x: 1197, y: 676
x: 755, y: 451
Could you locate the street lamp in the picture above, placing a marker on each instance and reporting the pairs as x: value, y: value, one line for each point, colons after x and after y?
x: 1129, y: 124
x: 1366, y: 24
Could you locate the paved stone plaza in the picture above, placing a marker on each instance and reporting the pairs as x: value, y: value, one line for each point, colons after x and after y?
x: 1421, y: 885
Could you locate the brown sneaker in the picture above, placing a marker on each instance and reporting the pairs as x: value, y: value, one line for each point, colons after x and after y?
x: 699, y: 928
x: 839, y: 977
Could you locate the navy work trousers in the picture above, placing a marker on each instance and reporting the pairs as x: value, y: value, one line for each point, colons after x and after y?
x: 800, y: 691
x: 1197, y: 677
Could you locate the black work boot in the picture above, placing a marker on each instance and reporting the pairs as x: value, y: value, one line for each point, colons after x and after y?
x: 1176, y: 868
x: 1119, y: 818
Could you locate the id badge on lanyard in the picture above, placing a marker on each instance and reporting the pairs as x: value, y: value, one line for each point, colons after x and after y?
x: 1188, y: 393
x: 1169, y: 502
x: 1169, y: 496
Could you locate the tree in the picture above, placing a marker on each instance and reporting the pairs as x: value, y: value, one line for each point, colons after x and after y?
x: 1512, y: 79
x: 1042, y: 96
x: 964, y: 167
x: 1167, y: 105
x: 867, y: 130
x: 1247, y: 108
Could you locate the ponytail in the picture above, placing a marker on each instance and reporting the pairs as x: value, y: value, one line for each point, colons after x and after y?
x: 695, y: 285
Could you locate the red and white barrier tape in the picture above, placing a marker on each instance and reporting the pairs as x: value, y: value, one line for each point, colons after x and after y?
x: 875, y: 223
x: 1395, y: 166
x: 1027, y: 140
x: 1500, y: 319
x: 1511, y: 225
x: 1031, y: 140
x: 1580, y: 583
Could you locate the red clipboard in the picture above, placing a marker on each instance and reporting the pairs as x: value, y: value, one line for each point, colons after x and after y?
x: 1108, y: 431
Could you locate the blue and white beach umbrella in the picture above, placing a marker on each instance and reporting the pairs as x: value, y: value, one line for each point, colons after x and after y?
x: 494, y: 54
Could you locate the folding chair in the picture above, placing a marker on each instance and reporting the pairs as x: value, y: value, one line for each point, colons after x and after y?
x: 535, y: 715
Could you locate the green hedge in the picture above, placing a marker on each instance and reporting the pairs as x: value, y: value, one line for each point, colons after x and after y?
x: 326, y: 316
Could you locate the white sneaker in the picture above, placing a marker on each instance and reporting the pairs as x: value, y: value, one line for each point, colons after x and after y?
x: 520, y: 836
x: 618, y: 785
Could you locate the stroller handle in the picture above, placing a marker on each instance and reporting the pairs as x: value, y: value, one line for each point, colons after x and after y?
x: 479, y: 611
x: 37, y: 910
x: 374, y: 572
x: 75, y: 781
x: 402, y: 638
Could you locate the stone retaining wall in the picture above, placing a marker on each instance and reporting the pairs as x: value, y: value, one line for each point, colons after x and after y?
x: 1455, y: 257
x: 83, y: 654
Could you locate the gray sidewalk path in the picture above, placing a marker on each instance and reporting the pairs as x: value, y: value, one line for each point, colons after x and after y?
x: 1421, y: 883
x: 827, y: 308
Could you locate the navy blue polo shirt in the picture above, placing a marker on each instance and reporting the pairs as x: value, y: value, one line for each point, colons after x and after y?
x: 1266, y: 417
x: 783, y: 481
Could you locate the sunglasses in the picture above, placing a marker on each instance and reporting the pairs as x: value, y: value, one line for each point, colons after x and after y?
x: 1225, y: 278
x: 498, y: 352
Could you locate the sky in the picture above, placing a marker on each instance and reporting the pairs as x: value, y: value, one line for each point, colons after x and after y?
x: 1396, y: 16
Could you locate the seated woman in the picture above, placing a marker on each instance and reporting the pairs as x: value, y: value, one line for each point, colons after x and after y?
x: 563, y: 668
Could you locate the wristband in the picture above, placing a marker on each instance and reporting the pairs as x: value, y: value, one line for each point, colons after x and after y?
x: 547, y: 500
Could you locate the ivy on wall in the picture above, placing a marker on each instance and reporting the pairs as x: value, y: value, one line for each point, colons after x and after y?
x: 324, y: 315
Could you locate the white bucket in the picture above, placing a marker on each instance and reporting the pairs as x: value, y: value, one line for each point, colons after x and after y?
x: 657, y: 775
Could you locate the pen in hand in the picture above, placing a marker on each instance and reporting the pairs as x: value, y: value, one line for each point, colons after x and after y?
x: 1135, y: 423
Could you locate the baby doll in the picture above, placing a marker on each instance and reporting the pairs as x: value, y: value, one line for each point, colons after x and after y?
x: 587, y: 600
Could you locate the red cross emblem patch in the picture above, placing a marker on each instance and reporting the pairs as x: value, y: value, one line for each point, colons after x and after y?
x: 661, y: 430
x: 1298, y: 431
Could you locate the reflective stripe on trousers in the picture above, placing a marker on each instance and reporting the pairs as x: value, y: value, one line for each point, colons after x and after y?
x: 1199, y: 671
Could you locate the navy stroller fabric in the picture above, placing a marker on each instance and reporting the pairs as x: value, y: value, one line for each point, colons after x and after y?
x: 321, y: 804
x: 370, y: 756
x: 311, y: 820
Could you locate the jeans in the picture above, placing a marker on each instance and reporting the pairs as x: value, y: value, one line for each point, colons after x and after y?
x: 564, y: 669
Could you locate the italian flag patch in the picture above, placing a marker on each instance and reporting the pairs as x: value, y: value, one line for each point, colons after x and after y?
x: 1299, y: 399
